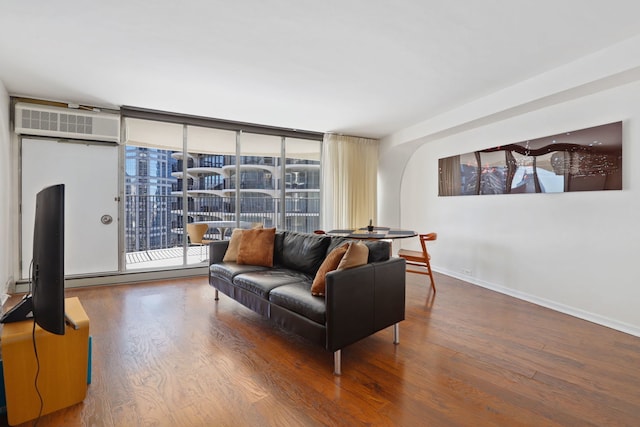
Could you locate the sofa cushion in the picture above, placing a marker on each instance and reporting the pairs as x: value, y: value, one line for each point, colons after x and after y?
x: 297, y: 298
x: 256, y: 247
x: 378, y: 250
x: 357, y: 254
x: 262, y: 282
x: 337, y: 241
x: 228, y: 270
x: 330, y: 263
x: 303, y: 252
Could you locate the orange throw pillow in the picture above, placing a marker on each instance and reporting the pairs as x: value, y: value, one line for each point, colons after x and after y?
x: 256, y: 247
x: 231, y: 255
x: 330, y: 263
x: 356, y: 255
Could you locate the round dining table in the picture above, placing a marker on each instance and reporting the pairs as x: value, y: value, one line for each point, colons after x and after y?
x: 376, y: 234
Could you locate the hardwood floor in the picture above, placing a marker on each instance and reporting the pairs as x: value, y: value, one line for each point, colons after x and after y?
x: 167, y: 354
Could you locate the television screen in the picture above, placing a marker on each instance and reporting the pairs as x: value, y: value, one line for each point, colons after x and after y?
x: 48, y: 260
x: 46, y: 302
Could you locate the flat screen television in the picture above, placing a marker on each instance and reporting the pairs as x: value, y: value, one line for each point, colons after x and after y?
x: 45, y: 303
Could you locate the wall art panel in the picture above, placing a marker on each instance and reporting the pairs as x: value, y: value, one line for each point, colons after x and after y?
x: 582, y: 160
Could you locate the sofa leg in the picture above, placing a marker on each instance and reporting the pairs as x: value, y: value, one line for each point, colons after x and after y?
x: 337, y: 369
x: 396, y: 333
x: 215, y: 295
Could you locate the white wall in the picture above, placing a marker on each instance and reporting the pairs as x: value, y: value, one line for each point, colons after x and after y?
x: 6, y: 193
x: 574, y: 252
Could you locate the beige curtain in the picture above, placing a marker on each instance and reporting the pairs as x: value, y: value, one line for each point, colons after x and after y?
x: 349, y: 181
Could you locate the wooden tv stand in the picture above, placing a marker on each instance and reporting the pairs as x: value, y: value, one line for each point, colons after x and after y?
x: 63, y: 365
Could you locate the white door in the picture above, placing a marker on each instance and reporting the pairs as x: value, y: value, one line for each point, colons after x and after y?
x: 90, y: 174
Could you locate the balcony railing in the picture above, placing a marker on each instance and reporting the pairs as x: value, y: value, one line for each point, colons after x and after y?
x: 157, y: 222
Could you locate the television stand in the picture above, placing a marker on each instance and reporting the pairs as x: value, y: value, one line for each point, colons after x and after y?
x: 19, y: 312
x: 68, y: 320
x: 62, y: 380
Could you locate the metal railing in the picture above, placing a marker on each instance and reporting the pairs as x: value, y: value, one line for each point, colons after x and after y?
x: 157, y: 222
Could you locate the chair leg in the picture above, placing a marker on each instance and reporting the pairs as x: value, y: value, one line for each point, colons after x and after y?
x: 433, y: 282
x: 215, y: 295
x: 337, y: 362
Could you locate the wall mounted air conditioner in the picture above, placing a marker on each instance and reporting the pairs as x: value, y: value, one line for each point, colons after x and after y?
x: 43, y: 120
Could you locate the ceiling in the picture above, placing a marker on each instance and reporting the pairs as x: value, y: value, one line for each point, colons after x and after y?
x: 358, y: 67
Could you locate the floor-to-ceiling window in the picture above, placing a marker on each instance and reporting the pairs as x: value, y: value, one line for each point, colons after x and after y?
x: 258, y: 179
x: 302, y: 184
x: 181, y: 173
x: 152, y: 211
x: 148, y: 204
x: 210, y: 195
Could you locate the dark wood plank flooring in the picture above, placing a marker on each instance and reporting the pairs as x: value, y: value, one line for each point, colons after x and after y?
x: 166, y: 354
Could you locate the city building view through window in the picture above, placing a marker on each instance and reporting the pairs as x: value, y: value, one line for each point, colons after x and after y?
x: 274, y: 182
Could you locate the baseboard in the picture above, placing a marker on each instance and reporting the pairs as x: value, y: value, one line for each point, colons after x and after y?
x: 553, y: 305
x: 125, y: 277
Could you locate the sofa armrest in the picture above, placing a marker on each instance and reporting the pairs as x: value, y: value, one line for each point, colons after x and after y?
x: 363, y: 300
x: 217, y: 250
x: 390, y: 285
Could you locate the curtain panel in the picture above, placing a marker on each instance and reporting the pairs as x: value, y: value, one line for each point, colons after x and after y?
x: 349, y: 181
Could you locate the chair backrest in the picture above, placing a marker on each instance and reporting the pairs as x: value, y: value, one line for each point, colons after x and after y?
x: 196, y: 232
x: 426, y: 238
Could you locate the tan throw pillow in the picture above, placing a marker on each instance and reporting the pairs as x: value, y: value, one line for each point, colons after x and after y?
x: 231, y: 255
x: 330, y: 263
x: 256, y: 247
x: 356, y: 255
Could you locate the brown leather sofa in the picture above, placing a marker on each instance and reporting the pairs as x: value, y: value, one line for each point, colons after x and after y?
x: 358, y: 302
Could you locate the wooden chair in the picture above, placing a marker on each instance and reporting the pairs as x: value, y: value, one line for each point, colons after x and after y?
x: 196, y: 234
x: 418, y: 261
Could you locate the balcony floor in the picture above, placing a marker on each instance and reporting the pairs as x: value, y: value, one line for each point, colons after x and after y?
x: 166, y: 257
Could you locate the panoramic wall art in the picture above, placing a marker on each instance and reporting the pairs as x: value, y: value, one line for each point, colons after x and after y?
x: 582, y: 160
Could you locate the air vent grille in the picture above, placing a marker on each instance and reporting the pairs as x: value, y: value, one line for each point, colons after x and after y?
x: 39, y: 120
x: 51, y: 121
x: 76, y: 124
